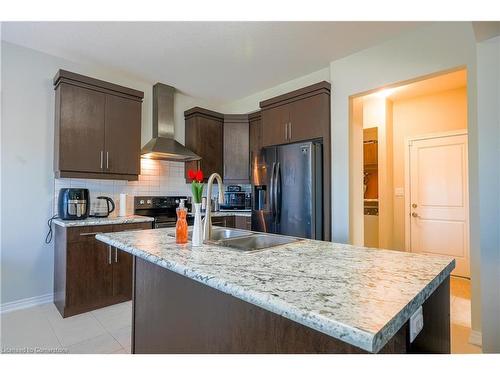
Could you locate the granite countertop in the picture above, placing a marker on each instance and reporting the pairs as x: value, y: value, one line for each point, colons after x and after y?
x: 103, y: 221
x: 358, y: 295
x: 244, y: 213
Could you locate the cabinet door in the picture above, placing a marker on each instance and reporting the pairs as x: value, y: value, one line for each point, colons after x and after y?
x: 230, y: 222
x: 309, y: 118
x: 122, y: 135
x: 236, y: 153
x: 370, y: 153
x: 89, y: 272
x: 204, y: 136
x: 122, y: 264
x: 255, y: 142
x: 274, y: 125
x: 80, y: 114
x: 242, y: 222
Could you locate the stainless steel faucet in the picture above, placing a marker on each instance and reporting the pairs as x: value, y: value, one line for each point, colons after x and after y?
x: 207, y: 222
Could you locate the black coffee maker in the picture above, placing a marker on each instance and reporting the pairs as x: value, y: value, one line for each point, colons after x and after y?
x: 73, y: 204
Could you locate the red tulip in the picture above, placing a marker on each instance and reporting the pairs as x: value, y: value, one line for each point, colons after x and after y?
x: 199, y: 175
x: 191, y: 174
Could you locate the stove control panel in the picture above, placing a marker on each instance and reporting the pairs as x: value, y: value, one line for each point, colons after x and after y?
x: 157, y: 202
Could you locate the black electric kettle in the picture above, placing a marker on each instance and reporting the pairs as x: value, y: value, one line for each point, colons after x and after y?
x: 110, y: 207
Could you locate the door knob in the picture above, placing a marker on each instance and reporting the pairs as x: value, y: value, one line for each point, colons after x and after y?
x: 414, y: 205
x: 414, y: 214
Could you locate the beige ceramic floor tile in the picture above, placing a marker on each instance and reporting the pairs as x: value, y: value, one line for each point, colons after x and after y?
x: 123, y: 335
x: 102, y: 344
x: 28, y: 330
x: 460, y: 341
x: 121, y: 351
x: 114, y: 317
x: 74, y: 329
x: 461, y: 312
x: 460, y: 287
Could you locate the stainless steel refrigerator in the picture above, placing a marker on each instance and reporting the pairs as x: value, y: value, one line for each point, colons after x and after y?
x: 288, y: 184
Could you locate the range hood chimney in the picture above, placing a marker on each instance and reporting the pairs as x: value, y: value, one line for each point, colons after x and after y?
x: 163, y: 146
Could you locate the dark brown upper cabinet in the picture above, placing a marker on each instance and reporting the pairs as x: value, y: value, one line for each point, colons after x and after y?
x: 296, y: 116
x: 301, y: 115
x: 204, y: 134
x: 255, y: 125
x: 236, y: 149
x: 97, y: 128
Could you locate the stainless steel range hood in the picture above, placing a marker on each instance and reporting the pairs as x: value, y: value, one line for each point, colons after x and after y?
x: 163, y: 146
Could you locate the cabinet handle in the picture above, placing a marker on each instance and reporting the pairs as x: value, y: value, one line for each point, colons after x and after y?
x: 286, y: 131
x: 90, y: 233
x: 107, y: 160
x: 116, y: 255
x: 290, y: 131
x: 102, y: 157
x: 109, y: 254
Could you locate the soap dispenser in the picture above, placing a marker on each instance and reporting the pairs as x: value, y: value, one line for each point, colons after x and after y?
x: 181, y: 227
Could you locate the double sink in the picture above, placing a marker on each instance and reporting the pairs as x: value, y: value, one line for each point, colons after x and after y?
x: 244, y: 240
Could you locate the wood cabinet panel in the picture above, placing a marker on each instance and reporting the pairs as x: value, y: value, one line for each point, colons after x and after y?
x: 243, y: 222
x: 309, y: 117
x: 255, y: 142
x: 204, y: 136
x: 370, y: 154
x: 274, y: 125
x: 79, y: 129
x: 89, y: 282
x: 236, y: 150
x: 122, y: 135
x: 97, y: 129
x: 89, y: 274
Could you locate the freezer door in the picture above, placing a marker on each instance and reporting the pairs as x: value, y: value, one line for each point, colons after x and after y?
x: 263, y: 213
x: 296, y: 190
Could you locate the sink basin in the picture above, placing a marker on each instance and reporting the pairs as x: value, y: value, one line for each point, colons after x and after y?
x: 221, y: 233
x: 256, y: 242
x: 227, y: 233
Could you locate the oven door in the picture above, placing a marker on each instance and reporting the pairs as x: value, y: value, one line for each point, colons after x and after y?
x: 170, y: 223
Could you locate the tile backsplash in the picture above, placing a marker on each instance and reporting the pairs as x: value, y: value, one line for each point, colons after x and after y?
x: 158, y: 177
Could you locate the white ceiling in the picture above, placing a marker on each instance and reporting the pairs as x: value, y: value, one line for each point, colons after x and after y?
x: 213, y: 60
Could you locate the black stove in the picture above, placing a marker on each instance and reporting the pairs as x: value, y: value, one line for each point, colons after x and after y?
x: 162, y: 209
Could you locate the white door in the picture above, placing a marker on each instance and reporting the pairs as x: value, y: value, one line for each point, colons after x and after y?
x: 439, y: 199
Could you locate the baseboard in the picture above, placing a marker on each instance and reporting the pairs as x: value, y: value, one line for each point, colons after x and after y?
x: 25, y: 303
x: 476, y: 338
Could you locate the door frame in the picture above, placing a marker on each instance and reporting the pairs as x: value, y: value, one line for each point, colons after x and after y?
x: 407, y: 203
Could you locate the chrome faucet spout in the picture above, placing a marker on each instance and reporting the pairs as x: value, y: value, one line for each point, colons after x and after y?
x: 207, y: 222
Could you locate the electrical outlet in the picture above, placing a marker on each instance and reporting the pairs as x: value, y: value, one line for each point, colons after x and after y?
x: 416, y: 323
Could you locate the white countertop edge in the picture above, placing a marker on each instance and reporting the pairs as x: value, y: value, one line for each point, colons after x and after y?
x: 91, y: 221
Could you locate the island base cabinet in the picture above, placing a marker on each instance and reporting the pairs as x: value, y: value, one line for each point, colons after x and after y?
x: 173, y: 314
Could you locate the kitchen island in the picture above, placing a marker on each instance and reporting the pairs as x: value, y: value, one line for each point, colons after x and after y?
x: 304, y: 297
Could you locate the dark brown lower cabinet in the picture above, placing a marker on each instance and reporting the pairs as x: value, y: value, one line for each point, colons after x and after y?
x: 87, y: 273
x: 233, y: 221
x: 243, y: 222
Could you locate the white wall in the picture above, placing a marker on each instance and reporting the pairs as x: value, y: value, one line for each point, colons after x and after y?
x: 251, y: 102
x: 425, y: 51
x: 488, y: 95
x: 27, y: 141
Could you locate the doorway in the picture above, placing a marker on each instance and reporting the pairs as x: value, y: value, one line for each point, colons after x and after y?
x: 409, y: 178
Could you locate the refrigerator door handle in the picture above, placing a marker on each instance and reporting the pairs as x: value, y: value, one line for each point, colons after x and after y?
x: 277, y: 199
x: 271, y: 192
